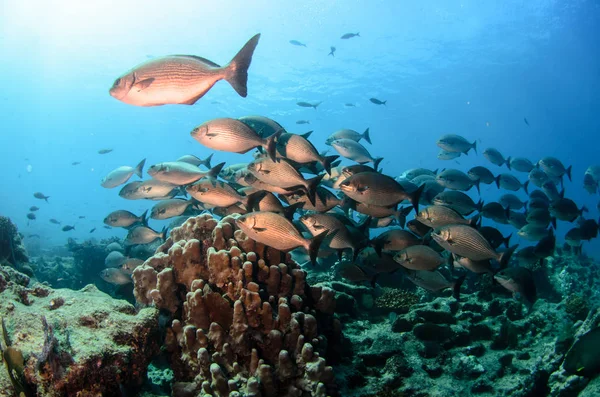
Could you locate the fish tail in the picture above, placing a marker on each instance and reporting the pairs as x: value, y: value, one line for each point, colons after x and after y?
x: 213, y: 173
x: 479, y: 205
x: 236, y: 72
x: 46, y: 198
x: 311, y: 187
x: 497, y: 179
x: 416, y: 196
x: 474, y: 221
x: 139, y: 169
x: 553, y: 222
x: 568, y: 172
x: 316, y: 104
x: 583, y: 209
x: 290, y: 210
x: 366, y: 136
x: 163, y: 233
x: 377, y: 245
x: 144, y: 218
x: 508, y: 162
x: 326, y: 162
x: 505, y: 256
x: 456, y: 287
x: 477, y: 183
x: 306, y: 135
x: 474, y: 146
x: 400, y: 216
x: 506, y: 240
x: 376, y: 163
x: 270, y: 145
x: 314, y: 245
x: 526, y: 186
x: 206, y: 161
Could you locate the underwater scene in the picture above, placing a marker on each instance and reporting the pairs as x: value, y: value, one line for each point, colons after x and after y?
x: 301, y: 199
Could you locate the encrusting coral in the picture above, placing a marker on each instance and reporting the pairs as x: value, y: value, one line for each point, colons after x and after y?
x: 245, y: 320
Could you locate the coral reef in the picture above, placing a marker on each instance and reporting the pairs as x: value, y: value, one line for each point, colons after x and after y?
x: 245, y: 322
x: 397, y: 300
x: 12, y: 250
x: 74, y: 342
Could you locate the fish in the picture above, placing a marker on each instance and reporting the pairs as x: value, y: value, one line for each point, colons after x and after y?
x: 539, y: 217
x: 481, y: 174
x: 33, y: 208
x: 545, y: 247
x: 115, y: 276
x: 324, y: 200
x: 93, y: 230
x: 456, y: 180
x: 419, y: 257
x: 355, y: 151
x: 538, y: 177
x: 299, y: 149
x: 114, y: 246
x: 130, y: 264
x: 394, y: 240
x: 41, y: 196
x: 144, y: 235
x: 583, y: 358
x: 68, y: 228
x: 121, y: 175
x: 170, y: 208
x: 274, y: 230
x: 309, y: 105
x: 351, y: 105
x: 458, y: 201
x: 566, y: 209
x: 573, y: 239
x: 416, y: 172
x: 217, y: 193
x: 267, y: 201
x: 332, y: 51
x: 526, y: 122
x: 76, y: 163
x: 590, y: 184
x: 494, y: 237
x: 303, y: 122
x: 434, y: 281
x: 81, y: 216
x: 509, y: 200
x: 373, y: 188
x: 378, y: 212
x: 509, y: 182
x: 589, y: 228
x: 554, y: 167
x: 477, y: 267
x: 181, y: 173
x: 494, y: 211
x: 193, y: 160
x: 104, y: 151
x: 468, y: 242
x: 114, y: 259
x: 123, y: 218
x: 150, y: 189
x: 377, y: 101
x: 349, y: 35
x: 356, y: 169
x: 418, y: 228
x: 551, y: 191
x: 255, y: 184
x: 297, y: 43
x: 456, y: 143
x: 33, y: 236
x: 520, y: 164
x: 263, y: 126
x: 533, y: 232
x: 181, y: 79
x: 494, y: 156
x: 355, y: 273
x: 348, y: 134
x: 516, y: 219
x: 338, y: 236
x: 285, y: 175
x: 438, y: 215
x: 231, y: 135
x: 519, y: 281
x: 107, y: 227
x: 31, y: 216
x: 444, y: 155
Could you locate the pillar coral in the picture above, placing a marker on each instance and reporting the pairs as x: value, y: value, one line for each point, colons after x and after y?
x: 245, y: 322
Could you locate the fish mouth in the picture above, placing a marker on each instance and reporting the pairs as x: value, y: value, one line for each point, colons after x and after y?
x: 117, y: 93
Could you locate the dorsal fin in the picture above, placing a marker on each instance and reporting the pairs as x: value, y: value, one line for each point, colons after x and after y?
x: 197, y: 58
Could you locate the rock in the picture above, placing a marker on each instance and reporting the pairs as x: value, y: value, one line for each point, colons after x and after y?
x: 433, y: 370
x: 432, y: 332
x: 476, y: 350
x: 437, y: 316
x: 481, y: 332
x: 401, y: 324
x: 467, y: 367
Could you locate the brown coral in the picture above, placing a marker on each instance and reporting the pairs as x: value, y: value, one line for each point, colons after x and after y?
x: 246, y: 322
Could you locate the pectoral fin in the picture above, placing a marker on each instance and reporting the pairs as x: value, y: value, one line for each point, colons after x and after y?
x: 142, y: 85
x: 259, y: 229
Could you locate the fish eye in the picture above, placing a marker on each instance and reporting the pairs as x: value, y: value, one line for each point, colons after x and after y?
x: 117, y: 82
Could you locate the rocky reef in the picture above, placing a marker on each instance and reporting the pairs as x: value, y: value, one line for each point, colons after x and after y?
x: 61, y: 342
x: 244, y: 320
x: 12, y: 250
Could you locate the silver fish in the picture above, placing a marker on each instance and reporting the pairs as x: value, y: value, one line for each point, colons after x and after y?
x: 456, y: 143
x: 121, y: 175
x: 348, y: 134
x: 144, y: 235
x: 355, y: 151
x: 181, y: 173
x: 194, y: 160
x: 123, y: 218
x: 170, y: 208
x: 494, y: 156
x: 115, y: 276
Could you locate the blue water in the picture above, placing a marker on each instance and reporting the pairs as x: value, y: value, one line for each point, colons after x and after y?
x: 475, y: 68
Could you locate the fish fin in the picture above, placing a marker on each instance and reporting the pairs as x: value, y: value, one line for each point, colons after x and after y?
x: 583, y: 209
x: 142, y: 85
x: 163, y: 233
x: 415, y: 197
x: 367, y: 137
x: 236, y: 72
x: 211, y: 134
x: 476, y: 184
x: 46, y: 198
x: 270, y: 144
x: 377, y: 245
x: 400, y: 216
x: 497, y: 179
x: 553, y: 222
x: 327, y: 163
x: 562, y: 193
x: 311, y: 187
x: 479, y: 205
x: 314, y: 245
x: 568, y: 172
x: 507, y: 161
x: 214, y: 172
x: 144, y: 218
x: 474, y: 221
x: 316, y: 104
x: 505, y: 256
x: 456, y: 287
x: 259, y: 229
x: 253, y: 199
x: 290, y: 210
x: 376, y: 163
x: 306, y: 134
x: 206, y: 161
x: 139, y: 169
x: 526, y: 186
